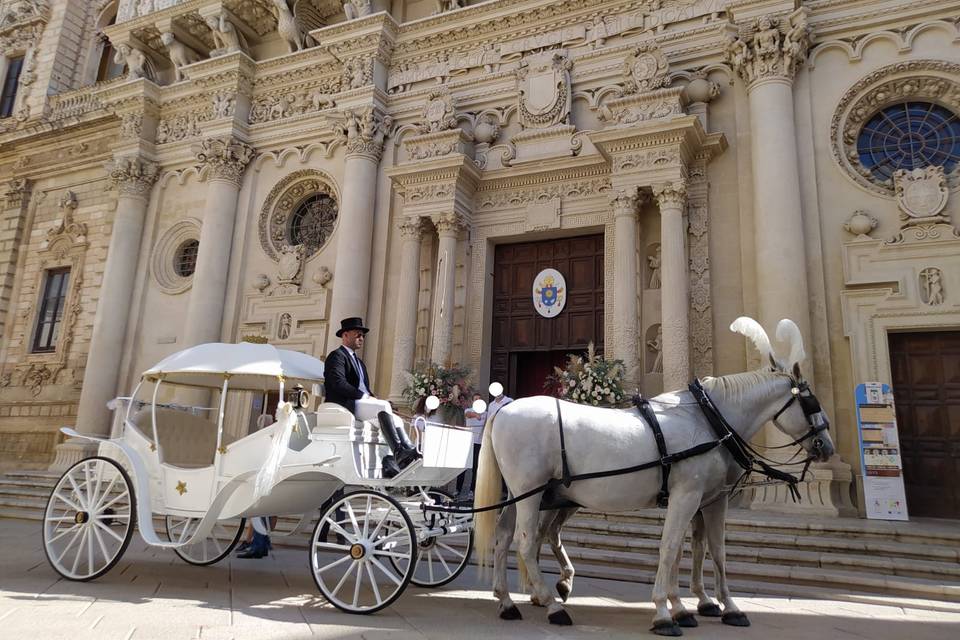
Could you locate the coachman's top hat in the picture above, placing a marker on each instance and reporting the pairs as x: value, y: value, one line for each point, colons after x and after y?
x: 351, y: 323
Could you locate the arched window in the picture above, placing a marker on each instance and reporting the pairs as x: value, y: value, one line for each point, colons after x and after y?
x: 312, y: 221
x: 107, y: 67
x: 909, y: 135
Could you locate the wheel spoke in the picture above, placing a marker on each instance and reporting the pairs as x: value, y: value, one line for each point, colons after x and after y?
x: 390, y: 536
x: 353, y: 517
x: 70, y: 503
x: 64, y: 532
x: 104, y: 527
x: 103, y: 496
x: 451, y: 550
x: 356, y: 586
x: 373, y: 584
x: 397, y: 581
x: 446, y: 567
x: 113, y: 516
x: 392, y: 554
x: 90, y: 550
x: 430, y: 564
x: 376, y: 530
x: 333, y: 525
x: 334, y: 564
x: 114, y: 501
x: 103, y: 546
x: 69, y: 545
x: 76, y: 558
x: 331, y: 546
x: 366, y: 519
x: 346, y: 574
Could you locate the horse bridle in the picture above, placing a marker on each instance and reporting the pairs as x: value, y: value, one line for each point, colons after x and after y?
x: 816, y: 418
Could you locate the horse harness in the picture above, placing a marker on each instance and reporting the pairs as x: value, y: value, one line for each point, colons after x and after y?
x: 743, y: 454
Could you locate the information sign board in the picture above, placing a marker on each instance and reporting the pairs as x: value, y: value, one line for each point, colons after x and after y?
x: 880, y: 462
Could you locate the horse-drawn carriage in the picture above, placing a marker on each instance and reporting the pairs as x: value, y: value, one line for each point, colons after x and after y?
x: 169, y: 460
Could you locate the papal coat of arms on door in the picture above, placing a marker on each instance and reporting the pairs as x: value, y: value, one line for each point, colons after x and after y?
x: 549, y: 293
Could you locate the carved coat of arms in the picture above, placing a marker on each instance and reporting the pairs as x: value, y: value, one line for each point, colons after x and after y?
x: 645, y: 69
x: 549, y: 293
x: 543, y: 83
x: 921, y: 194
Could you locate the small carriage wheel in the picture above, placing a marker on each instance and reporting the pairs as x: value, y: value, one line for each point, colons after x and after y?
x: 440, y: 559
x: 89, y: 519
x: 363, y: 559
x: 212, y: 549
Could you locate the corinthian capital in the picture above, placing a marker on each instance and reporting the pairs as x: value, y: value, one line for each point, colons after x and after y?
x: 670, y: 195
x: 450, y: 224
x: 625, y: 202
x: 410, y: 228
x: 365, y: 130
x: 772, y: 48
x: 133, y: 176
x: 226, y: 158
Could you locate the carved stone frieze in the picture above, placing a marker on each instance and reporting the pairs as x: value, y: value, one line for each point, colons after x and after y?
x: 772, y: 47
x: 544, y: 92
x: 365, y: 131
x: 698, y: 243
x: 181, y: 126
x: 286, y: 104
x: 634, y: 109
x: 133, y: 176
x: 226, y: 158
x: 521, y: 196
x: 357, y: 72
x: 438, y: 113
x: 437, y: 144
x: 431, y: 192
x: 645, y: 159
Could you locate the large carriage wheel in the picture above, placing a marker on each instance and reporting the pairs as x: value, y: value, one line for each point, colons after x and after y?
x: 363, y: 558
x: 89, y: 519
x: 212, y: 549
x: 440, y: 559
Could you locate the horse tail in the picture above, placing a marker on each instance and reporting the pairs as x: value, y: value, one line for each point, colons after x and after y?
x: 488, y: 492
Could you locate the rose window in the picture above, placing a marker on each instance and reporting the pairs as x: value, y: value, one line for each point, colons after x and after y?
x: 312, y: 222
x: 908, y: 136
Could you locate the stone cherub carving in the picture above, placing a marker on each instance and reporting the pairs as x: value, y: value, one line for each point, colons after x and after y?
x: 225, y: 35
x: 289, y: 29
x: 134, y: 59
x: 222, y: 105
x: 180, y: 54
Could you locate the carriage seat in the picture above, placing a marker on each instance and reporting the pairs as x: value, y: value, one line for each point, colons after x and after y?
x: 186, y: 440
x: 332, y: 419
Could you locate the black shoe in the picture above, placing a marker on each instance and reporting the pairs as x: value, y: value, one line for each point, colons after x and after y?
x: 254, y: 553
x: 389, y: 467
x: 243, y: 546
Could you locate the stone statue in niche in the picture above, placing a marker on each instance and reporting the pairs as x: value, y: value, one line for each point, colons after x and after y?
x: 134, y: 59
x: 225, y: 35
x: 180, y: 54
x: 656, y: 348
x: 290, y: 260
x: 931, y: 286
x: 654, y: 263
x: 285, y: 326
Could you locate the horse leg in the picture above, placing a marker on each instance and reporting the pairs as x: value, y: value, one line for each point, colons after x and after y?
x: 683, y: 506
x: 565, y: 583
x: 705, y: 606
x: 501, y: 546
x: 547, y: 519
x: 679, y: 613
x: 528, y: 517
x: 715, y: 516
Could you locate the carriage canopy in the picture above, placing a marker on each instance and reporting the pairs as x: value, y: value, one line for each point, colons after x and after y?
x: 251, y: 367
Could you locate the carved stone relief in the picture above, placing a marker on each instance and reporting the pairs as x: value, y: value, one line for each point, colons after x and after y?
x: 365, y: 131
x: 645, y: 69
x: 438, y: 113
x: 543, y: 86
x: 931, y: 286
x: 290, y: 260
x: 654, y: 348
x: 276, y: 214
x: 771, y: 47
x: 860, y: 224
x: 653, y: 264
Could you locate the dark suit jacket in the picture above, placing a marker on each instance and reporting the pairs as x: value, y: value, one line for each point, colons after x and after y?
x: 341, y: 382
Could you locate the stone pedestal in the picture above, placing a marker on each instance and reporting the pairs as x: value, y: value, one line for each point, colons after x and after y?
x: 133, y: 178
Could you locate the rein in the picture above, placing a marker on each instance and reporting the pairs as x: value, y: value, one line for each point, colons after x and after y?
x: 741, y: 451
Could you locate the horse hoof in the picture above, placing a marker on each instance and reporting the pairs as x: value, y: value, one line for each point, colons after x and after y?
x: 666, y: 628
x: 560, y: 617
x: 511, y: 613
x: 735, y: 619
x: 686, y: 620
x: 563, y: 590
x: 709, y: 610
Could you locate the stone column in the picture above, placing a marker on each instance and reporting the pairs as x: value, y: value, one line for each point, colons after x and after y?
x: 767, y: 60
x: 626, y: 308
x: 226, y: 159
x: 448, y: 228
x: 365, y: 131
x: 134, y: 178
x: 675, y: 286
x: 408, y: 292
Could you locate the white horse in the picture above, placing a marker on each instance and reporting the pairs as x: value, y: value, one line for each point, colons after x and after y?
x: 521, y: 446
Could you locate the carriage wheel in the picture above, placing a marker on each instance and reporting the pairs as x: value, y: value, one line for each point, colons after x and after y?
x: 363, y: 559
x: 89, y: 519
x: 440, y: 559
x: 215, y: 547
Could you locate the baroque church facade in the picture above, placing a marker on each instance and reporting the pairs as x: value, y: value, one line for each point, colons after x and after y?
x: 184, y: 171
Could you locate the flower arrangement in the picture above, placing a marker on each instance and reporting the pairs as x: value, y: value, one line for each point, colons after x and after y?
x: 447, y: 383
x: 594, y: 380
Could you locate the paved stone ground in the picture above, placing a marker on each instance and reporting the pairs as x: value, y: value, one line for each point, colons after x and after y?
x: 152, y: 594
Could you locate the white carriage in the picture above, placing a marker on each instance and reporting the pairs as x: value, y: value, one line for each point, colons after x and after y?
x: 167, y: 459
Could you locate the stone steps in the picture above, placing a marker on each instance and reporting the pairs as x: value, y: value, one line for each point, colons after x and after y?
x: 766, y: 554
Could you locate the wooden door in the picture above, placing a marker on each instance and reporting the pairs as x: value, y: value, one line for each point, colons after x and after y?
x: 926, y: 388
x: 517, y: 327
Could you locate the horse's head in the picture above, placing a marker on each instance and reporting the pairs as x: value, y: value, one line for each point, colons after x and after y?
x: 800, y: 416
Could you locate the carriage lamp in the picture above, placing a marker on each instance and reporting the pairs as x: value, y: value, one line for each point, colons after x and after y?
x: 299, y: 397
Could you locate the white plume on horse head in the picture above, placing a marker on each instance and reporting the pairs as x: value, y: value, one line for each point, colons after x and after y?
x: 755, y: 332
x: 789, y: 333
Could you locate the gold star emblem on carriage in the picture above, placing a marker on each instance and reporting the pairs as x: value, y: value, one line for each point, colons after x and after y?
x: 222, y: 449
x: 181, y: 487
x: 153, y: 447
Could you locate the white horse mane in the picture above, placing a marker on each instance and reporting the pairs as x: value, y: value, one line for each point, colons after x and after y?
x: 787, y: 331
x: 734, y: 386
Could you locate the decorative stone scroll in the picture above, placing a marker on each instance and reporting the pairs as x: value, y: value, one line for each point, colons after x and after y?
x: 226, y: 158
x: 772, y: 48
